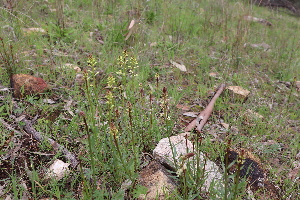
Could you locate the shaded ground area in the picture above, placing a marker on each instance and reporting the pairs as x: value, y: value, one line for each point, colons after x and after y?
x: 292, y: 5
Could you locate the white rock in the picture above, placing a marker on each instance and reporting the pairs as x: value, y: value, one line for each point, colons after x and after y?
x: 58, y: 170
x: 163, y: 151
x: 169, y: 150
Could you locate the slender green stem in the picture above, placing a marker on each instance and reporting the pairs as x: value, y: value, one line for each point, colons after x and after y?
x: 132, y: 133
x: 91, y: 153
x: 226, y: 184
x: 119, y: 151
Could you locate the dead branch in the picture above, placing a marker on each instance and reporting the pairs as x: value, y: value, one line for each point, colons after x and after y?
x: 204, y: 115
x: 57, y: 147
x: 39, y: 137
x: 9, y: 127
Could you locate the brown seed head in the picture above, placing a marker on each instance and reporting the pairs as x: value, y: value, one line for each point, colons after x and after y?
x: 164, y: 90
x: 81, y: 113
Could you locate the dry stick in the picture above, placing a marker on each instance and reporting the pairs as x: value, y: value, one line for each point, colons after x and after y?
x: 204, y: 115
x: 9, y: 127
x: 57, y: 147
x: 39, y: 137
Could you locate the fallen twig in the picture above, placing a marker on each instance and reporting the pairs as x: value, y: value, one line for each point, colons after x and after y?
x: 39, y: 137
x: 204, y: 115
x: 57, y: 147
x: 9, y: 127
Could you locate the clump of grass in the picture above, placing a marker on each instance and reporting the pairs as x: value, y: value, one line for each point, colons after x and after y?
x: 8, y: 58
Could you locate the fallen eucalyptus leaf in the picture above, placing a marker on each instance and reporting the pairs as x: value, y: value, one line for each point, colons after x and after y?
x: 179, y: 66
x: 238, y: 92
x: 32, y: 30
x: 48, y: 101
x: 191, y: 114
x: 225, y: 125
x: 254, y: 114
x: 131, y: 24
x: 255, y: 19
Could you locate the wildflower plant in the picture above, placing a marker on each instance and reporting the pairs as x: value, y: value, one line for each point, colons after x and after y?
x: 164, y: 104
x: 90, y: 120
x: 92, y: 62
x: 157, y: 79
x: 127, y: 67
x: 110, y: 105
x: 91, y: 73
x: 110, y: 100
x: 111, y: 82
x: 121, y: 129
x: 89, y: 76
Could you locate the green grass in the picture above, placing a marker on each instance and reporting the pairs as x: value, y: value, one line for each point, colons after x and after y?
x: 120, y: 122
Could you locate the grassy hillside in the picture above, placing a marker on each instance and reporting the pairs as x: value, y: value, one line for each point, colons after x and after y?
x: 119, y: 104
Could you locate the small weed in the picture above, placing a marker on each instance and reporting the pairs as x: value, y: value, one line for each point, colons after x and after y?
x: 59, y: 34
x: 8, y: 57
